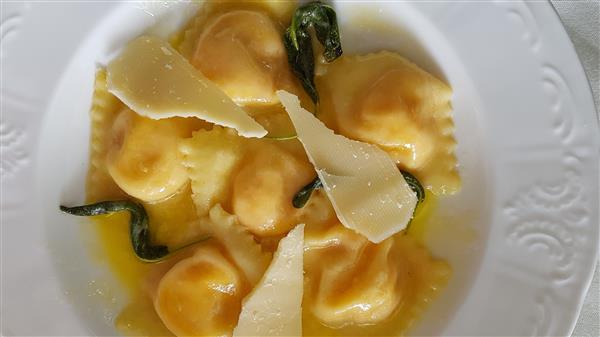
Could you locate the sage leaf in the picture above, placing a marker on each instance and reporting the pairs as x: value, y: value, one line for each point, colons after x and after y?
x: 414, y: 185
x: 301, y: 198
x: 297, y: 42
x: 138, y: 226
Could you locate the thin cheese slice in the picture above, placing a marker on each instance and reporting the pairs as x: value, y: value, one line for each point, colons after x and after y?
x: 368, y: 192
x: 155, y: 81
x: 274, y: 308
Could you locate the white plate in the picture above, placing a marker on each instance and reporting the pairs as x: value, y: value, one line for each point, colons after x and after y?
x: 522, y: 236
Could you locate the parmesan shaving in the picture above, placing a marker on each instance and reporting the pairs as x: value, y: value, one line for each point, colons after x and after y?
x: 155, y: 81
x: 368, y: 192
x: 274, y: 308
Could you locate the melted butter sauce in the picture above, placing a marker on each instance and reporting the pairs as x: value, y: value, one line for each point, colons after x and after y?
x: 139, y: 318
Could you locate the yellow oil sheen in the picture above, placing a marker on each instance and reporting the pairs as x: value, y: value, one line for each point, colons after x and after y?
x: 139, y: 317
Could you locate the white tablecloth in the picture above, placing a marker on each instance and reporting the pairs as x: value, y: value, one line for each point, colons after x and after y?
x: 582, y: 21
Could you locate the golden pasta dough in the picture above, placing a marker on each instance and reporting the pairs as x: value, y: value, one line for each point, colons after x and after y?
x: 264, y: 187
x: 260, y: 65
x: 201, y: 295
x: 351, y: 280
x: 352, y: 285
x: 143, y: 156
x: 211, y: 158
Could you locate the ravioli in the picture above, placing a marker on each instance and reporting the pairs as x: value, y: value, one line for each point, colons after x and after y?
x: 260, y: 67
x: 201, y: 295
x: 260, y: 64
x: 350, y: 281
x: 386, y: 100
x: 264, y: 187
x: 143, y: 155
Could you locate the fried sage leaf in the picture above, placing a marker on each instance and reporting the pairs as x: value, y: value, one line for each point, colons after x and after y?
x: 138, y: 226
x: 414, y: 185
x: 297, y: 41
x: 301, y: 198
